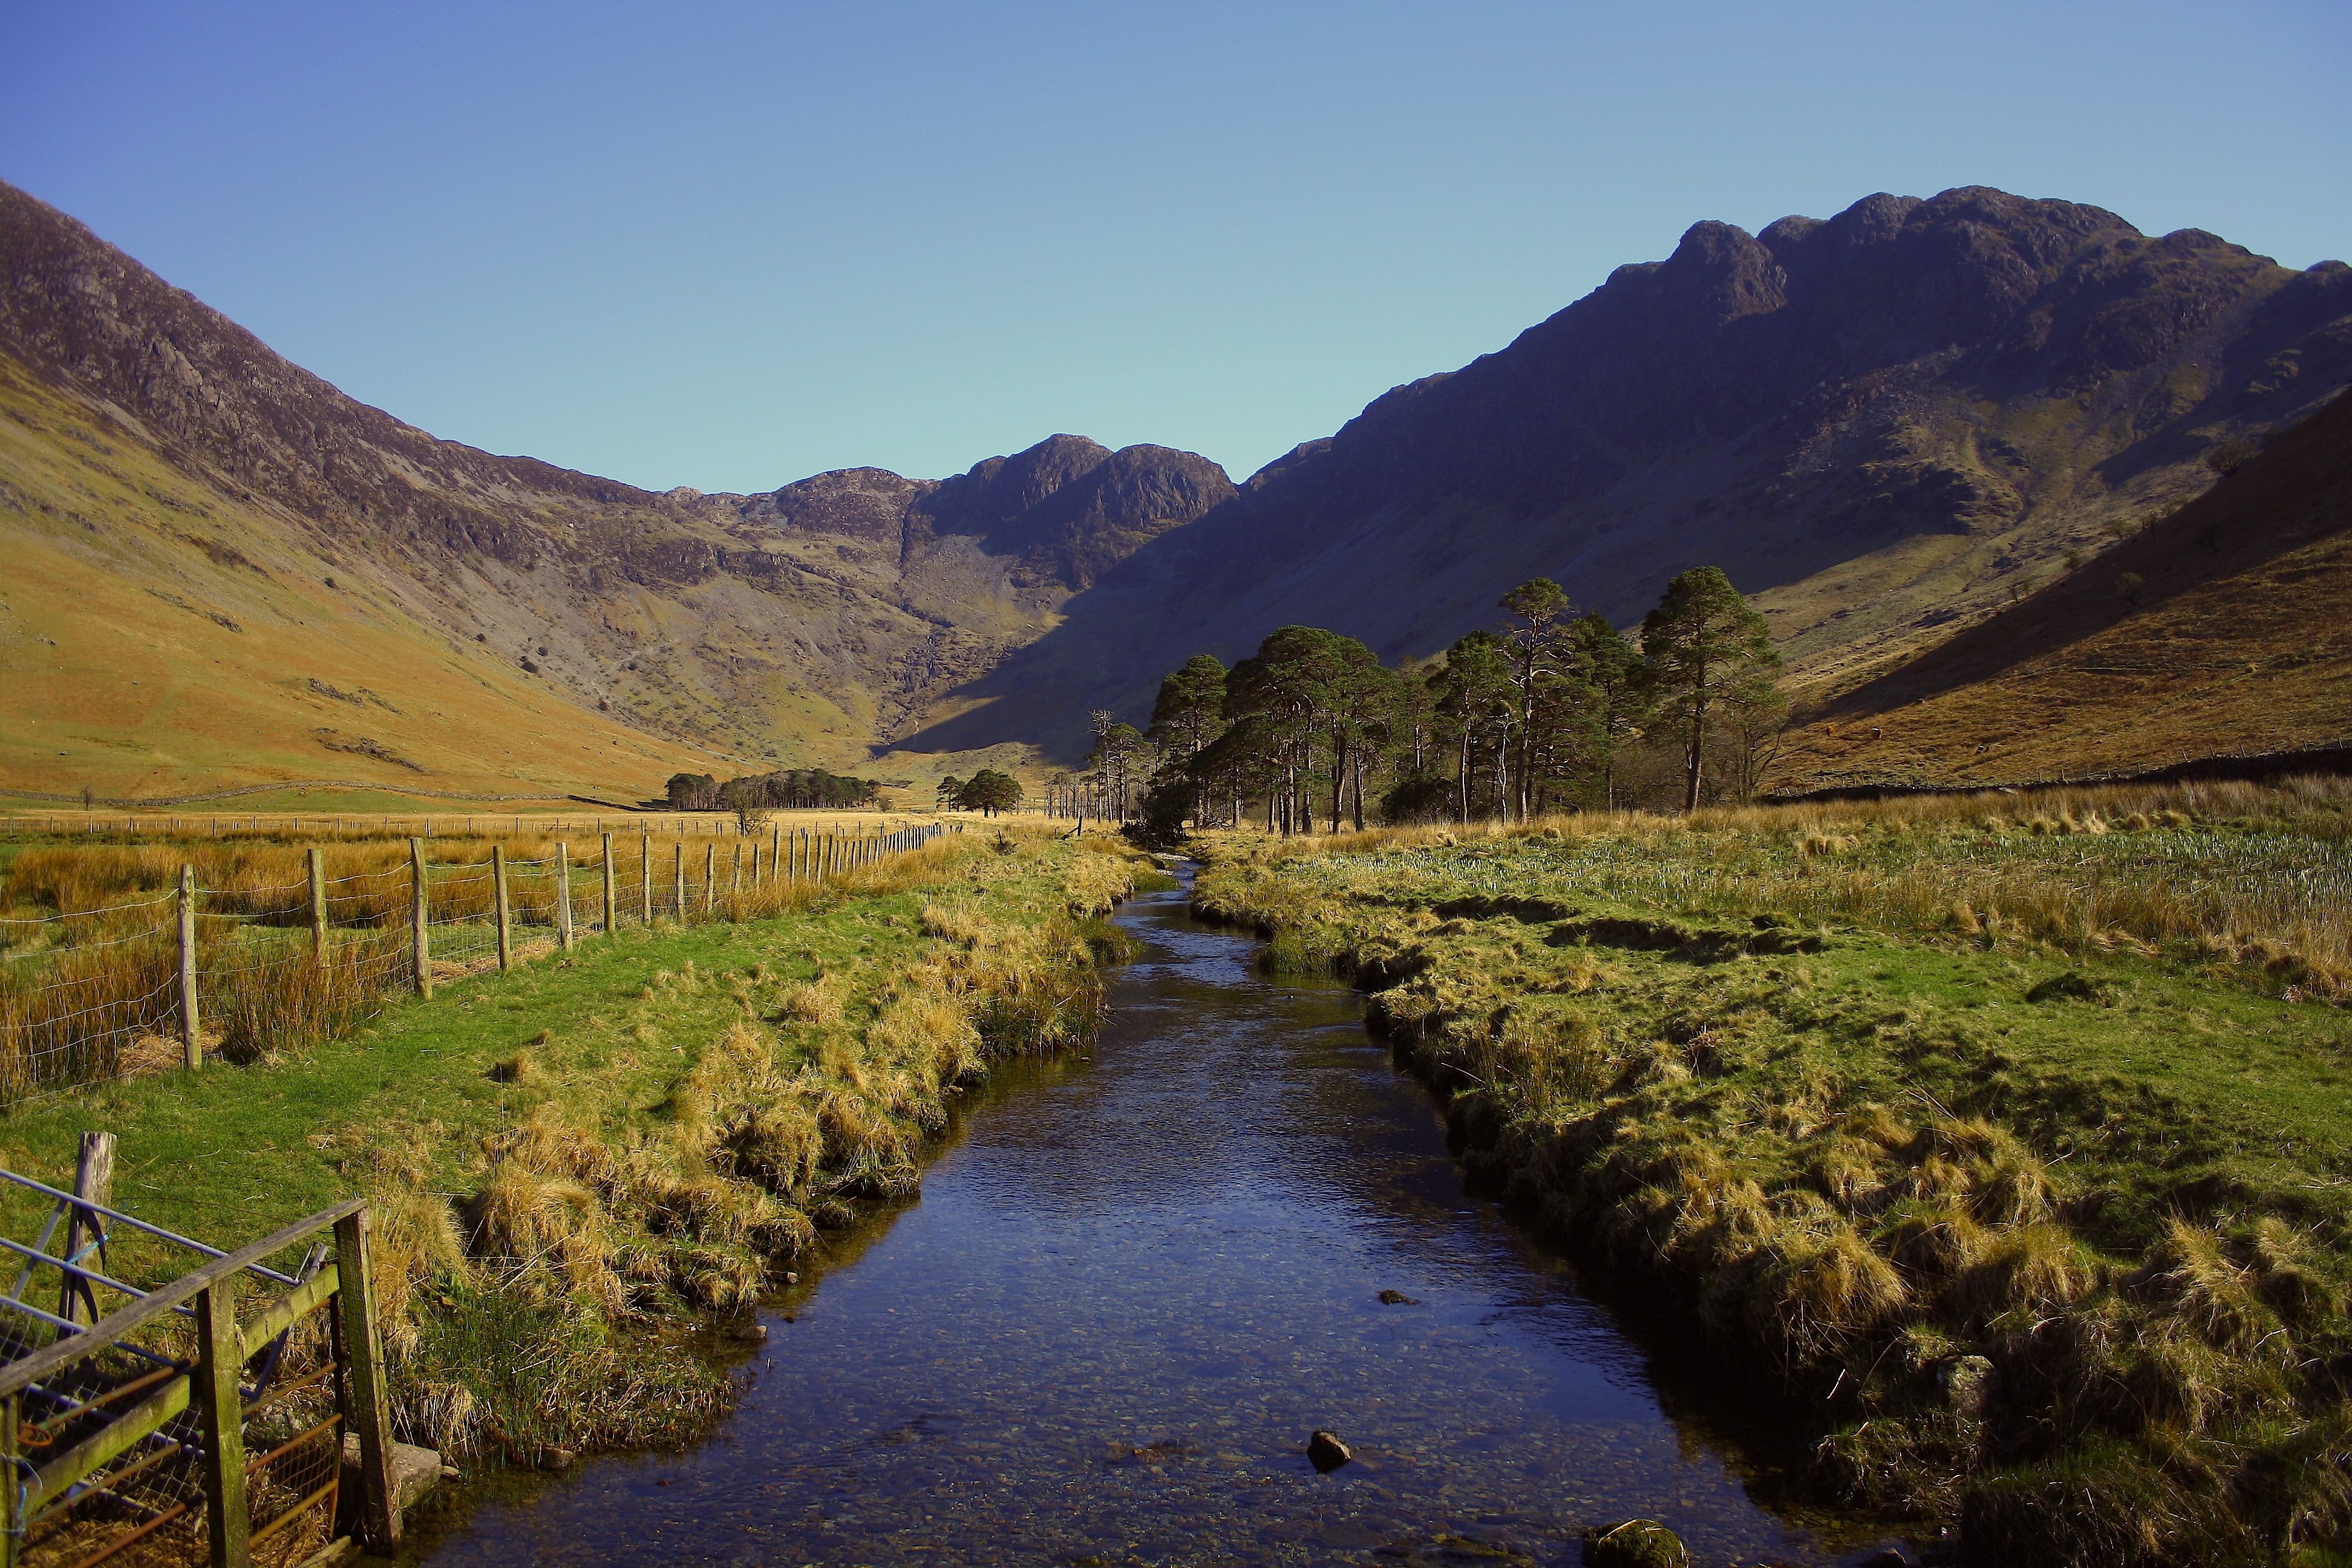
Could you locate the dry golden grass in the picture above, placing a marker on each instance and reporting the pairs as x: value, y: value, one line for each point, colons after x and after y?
x: 1950, y: 1118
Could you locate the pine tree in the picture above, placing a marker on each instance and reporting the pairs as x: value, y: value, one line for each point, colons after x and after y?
x: 1706, y: 649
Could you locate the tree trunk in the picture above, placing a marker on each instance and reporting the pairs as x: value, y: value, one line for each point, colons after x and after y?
x: 1339, y: 750
x: 1695, y: 756
x: 1462, y: 780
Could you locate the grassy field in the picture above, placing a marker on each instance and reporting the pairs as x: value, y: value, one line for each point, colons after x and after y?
x: 2005, y: 1135
x: 584, y: 1167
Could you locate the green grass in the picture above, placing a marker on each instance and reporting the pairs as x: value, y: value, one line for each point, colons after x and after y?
x: 269, y: 1143
x: 577, y: 1167
x: 1862, y: 1138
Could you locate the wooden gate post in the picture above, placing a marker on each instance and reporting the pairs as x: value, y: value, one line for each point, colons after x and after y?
x: 11, y: 1523
x: 362, y: 1339
x: 192, y: 1044
x: 563, y: 895
x: 318, y: 906
x: 612, y: 915
x: 93, y: 1180
x: 220, y: 1413
x: 420, y: 919
x: 499, y: 898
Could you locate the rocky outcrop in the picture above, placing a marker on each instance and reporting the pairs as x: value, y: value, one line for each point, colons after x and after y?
x: 715, y: 618
x: 1880, y: 423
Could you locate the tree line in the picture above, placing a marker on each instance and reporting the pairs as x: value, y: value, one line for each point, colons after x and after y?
x: 785, y: 787
x: 1534, y: 715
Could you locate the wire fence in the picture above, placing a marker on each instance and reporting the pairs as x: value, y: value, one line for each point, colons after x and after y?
x: 238, y: 961
x: 216, y: 1418
x: 312, y: 826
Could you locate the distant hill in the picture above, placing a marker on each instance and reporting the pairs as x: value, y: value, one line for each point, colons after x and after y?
x: 1876, y: 423
x: 164, y: 473
x: 2224, y: 629
x: 1886, y: 426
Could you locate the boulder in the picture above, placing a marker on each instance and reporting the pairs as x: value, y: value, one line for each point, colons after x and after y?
x: 1634, y: 1544
x: 1325, y: 1452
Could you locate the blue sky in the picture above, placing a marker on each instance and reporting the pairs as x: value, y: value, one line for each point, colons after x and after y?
x: 730, y: 246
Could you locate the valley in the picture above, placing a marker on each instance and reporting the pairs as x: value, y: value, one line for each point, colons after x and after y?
x: 1888, y: 428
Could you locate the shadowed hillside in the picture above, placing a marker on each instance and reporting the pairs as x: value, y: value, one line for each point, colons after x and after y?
x: 1877, y: 424
x: 2219, y: 630
x: 151, y: 446
x: 1886, y: 427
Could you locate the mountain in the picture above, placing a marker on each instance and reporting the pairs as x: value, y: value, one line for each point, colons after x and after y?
x: 163, y: 474
x: 2219, y: 630
x: 1878, y: 425
x: 1886, y: 426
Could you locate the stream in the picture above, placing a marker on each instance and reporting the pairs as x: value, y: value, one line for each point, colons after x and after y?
x: 1134, y: 1283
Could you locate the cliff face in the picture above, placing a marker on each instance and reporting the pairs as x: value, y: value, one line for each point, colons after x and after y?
x: 1884, y: 426
x: 1880, y: 423
x: 804, y: 624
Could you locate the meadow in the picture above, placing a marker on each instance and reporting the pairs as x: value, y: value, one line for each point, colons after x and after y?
x: 2001, y: 1137
x: 585, y: 1170
x: 90, y: 940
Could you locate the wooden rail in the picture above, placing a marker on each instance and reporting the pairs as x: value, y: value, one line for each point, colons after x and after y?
x: 211, y: 1384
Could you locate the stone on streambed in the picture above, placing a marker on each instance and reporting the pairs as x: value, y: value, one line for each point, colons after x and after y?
x: 1325, y: 1452
x: 1396, y: 1298
x: 1634, y: 1544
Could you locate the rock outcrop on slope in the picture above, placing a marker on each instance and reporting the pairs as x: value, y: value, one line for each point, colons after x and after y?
x: 809, y: 624
x: 1886, y: 426
x: 1881, y: 424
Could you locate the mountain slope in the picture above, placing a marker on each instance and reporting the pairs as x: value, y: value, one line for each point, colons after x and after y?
x: 803, y: 625
x: 1877, y: 424
x: 2218, y: 630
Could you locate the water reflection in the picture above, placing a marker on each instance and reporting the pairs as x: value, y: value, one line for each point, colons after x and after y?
x: 1130, y: 1289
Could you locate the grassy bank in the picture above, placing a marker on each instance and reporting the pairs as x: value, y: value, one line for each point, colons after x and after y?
x: 581, y: 1169
x: 2004, y: 1136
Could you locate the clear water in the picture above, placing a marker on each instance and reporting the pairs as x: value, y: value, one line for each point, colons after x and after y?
x: 1133, y: 1285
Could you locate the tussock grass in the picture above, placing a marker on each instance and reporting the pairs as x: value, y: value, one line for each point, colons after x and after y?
x: 576, y: 1166
x: 2016, y: 1154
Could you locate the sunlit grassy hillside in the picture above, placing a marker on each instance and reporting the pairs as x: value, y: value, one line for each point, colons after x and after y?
x: 158, y: 636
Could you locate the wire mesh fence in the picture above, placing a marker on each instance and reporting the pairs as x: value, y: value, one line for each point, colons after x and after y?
x: 150, y: 957
x: 205, y: 1419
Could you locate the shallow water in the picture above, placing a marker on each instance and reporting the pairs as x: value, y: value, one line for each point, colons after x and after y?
x: 1131, y: 1288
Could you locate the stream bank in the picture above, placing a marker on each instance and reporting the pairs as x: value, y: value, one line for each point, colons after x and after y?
x: 1134, y: 1281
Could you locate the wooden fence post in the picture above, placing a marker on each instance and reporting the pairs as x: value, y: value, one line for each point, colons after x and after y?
x: 775, y: 849
x: 735, y: 885
x: 677, y: 877
x: 710, y: 878
x: 318, y: 906
x: 192, y: 1045
x: 563, y: 895
x: 646, y: 879
x: 12, y: 1496
x: 612, y: 915
x: 220, y: 1413
x: 93, y: 1180
x: 363, y: 1341
x: 420, y: 918
x: 498, y: 897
